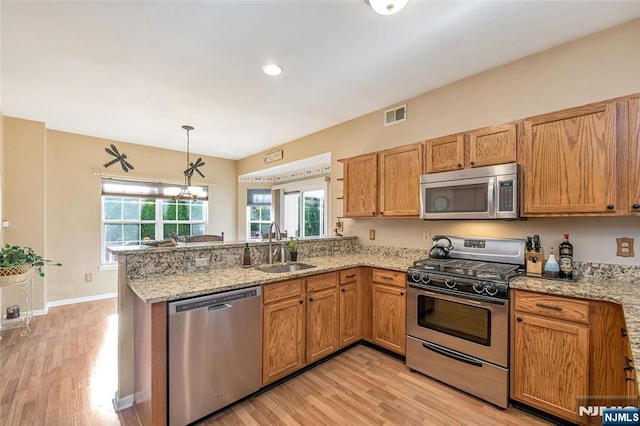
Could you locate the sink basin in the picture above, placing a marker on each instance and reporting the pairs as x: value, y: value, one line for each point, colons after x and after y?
x: 285, y: 267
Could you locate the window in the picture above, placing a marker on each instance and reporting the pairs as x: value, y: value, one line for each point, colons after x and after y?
x: 303, y: 210
x: 258, y: 213
x: 128, y: 219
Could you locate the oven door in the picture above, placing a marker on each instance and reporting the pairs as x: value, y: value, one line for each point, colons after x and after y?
x: 465, y: 324
x: 459, y: 199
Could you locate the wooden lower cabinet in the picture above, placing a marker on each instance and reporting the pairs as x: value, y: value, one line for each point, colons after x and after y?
x: 349, y: 314
x: 283, y: 338
x: 322, y: 324
x: 550, y: 363
x: 389, y: 317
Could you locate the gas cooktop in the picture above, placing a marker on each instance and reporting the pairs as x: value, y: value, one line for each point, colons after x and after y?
x: 474, y: 268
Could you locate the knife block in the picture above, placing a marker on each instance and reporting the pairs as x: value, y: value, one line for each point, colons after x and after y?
x: 534, y: 262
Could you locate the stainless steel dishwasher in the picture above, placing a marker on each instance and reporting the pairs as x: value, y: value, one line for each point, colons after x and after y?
x: 214, y: 352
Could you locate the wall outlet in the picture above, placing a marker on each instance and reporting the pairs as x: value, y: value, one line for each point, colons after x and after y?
x: 202, y: 262
x: 624, y: 247
x: 426, y: 237
x: 372, y: 234
x: 88, y: 277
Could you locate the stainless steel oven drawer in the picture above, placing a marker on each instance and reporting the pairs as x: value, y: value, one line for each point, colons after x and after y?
x: 472, y: 375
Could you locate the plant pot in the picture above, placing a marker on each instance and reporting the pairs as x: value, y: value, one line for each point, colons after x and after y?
x: 294, y: 256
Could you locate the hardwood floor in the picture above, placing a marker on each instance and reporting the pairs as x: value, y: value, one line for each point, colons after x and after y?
x: 65, y: 374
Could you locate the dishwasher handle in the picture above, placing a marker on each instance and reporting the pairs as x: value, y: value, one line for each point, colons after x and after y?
x: 213, y: 302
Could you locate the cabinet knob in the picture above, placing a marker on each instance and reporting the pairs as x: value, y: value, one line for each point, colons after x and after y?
x: 636, y: 206
x: 301, y: 301
x: 343, y: 290
x: 381, y: 212
x: 459, y: 165
x: 402, y: 293
x: 373, y: 213
x: 311, y: 299
x: 623, y: 332
x: 519, y: 319
x: 473, y: 163
x: 610, y: 207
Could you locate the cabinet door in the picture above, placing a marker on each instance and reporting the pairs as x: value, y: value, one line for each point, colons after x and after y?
x: 445, y: 153
x: 570, y: 161
x: 322, y: 324
x: 493, y: 145
x: 550, y: 363
x: 399, y: 185
x: 633, y: 184
x: 349, y: 314
x: 283, y: 339
x: 389, y: 317
x: 360, y: 192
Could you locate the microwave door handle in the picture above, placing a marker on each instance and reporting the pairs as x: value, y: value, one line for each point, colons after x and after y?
x: 491, y: 195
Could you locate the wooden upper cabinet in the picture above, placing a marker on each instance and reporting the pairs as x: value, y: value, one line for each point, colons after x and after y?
x: 569, y: 161
x: 360, y: 192
x: 444, y: 154
x: 482, y: 147
x: 399, y: 185
x: 385, y: 183
x: 493, y: 145
x: 633, y: 181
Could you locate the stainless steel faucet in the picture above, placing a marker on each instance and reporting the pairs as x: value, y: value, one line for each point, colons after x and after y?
x: 273, y: 252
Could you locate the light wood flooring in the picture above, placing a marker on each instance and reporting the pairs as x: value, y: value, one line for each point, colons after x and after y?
x: 65, y: 374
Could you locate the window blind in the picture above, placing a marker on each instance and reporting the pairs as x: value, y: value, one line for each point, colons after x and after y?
x: 258, y: 197
x: 130, y: 188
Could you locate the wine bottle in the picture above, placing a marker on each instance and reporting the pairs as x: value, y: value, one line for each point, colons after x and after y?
x: 566, y: 258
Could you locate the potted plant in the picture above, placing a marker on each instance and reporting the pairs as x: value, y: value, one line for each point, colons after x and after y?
x: 291, y: 245
x: 17, y: 260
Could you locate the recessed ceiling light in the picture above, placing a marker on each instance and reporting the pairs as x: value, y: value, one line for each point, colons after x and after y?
x: 387, y: 7
x: 272, y: 69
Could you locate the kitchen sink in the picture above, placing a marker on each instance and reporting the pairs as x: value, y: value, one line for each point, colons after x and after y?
x: 285, y: 267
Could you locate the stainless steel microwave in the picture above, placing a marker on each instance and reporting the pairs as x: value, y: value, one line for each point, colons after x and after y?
x: 480, y: 193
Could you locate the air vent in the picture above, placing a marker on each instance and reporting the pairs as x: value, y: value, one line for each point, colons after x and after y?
x: 395, y: 115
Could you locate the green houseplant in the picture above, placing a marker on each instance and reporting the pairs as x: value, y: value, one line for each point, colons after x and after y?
x: 17, y: 260
x: 291, y: 245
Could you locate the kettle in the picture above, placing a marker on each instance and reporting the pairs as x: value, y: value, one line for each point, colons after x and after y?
x: 439, y: 251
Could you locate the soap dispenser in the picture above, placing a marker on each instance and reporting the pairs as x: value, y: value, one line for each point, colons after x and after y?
x: 246, y: 261
x: 551, y: 267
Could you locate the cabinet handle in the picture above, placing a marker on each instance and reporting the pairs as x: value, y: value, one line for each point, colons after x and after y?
x: 610, y: 207
x: 623, y: 332
x: 628, y: 368
x: 301, y: 301
x: 351, y: 276
x: 473, y: 163
x: 385, y: 277
x: 629, y: 379
x: 555, y: 308
x: 519, y: 319
x: 311, y: 299
x: 636, y: 206
x: 628, y: 361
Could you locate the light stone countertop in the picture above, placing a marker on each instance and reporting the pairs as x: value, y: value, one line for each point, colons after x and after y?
x: 621, y: 291
x: 159, y: 288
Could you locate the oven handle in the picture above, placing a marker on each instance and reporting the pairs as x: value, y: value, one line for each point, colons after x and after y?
x: 451, y: 354
x: 459, y: 298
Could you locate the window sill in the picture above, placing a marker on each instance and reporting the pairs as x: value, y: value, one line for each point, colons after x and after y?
x: 108, y: 267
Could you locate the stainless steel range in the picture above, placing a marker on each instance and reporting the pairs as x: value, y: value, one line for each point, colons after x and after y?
x: 458, y: 315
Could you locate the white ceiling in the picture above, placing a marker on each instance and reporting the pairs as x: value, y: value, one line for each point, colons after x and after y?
x: 136, y: 71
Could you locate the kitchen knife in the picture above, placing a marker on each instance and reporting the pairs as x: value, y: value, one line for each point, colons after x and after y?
x: 529, y: 244
x: 536, y: 243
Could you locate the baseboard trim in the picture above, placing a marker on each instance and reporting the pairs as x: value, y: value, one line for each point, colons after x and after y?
x: 123, y: 403
x: 80, y: 300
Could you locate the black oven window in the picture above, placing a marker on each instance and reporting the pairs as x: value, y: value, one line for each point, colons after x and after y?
x: 471, y: 323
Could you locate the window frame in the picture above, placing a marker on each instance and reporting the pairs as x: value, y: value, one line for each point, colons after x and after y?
x: 301, y: 187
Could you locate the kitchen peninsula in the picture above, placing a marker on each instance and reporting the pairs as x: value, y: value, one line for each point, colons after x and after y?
x: 151, y: 277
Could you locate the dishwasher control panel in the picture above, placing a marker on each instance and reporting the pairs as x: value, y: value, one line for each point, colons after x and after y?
x: 212, y: 300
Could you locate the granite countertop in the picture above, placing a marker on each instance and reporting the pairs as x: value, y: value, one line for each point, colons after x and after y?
x: 159, y: 288
x: 621, y: 291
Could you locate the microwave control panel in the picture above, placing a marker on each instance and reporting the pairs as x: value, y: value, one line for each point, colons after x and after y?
x: 506, y: 196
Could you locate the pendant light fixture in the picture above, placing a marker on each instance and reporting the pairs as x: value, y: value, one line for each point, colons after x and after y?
x: 188, y: 192
x: 387, y: 7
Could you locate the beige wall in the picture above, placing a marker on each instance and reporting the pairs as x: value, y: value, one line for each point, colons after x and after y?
x: 60, y: 217
x: 601, y: 66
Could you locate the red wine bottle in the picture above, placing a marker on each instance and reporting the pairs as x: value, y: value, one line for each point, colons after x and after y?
x: 566, y: 259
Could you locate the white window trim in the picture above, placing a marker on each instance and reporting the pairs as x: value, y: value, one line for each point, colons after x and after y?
x: 302, y: 186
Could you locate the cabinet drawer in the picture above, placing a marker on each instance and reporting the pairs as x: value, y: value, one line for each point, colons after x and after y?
x: 395, y: 278
x: 552, y: 306
x: 282, y: 290
x: 349, y: 275
x: 321, y: 282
